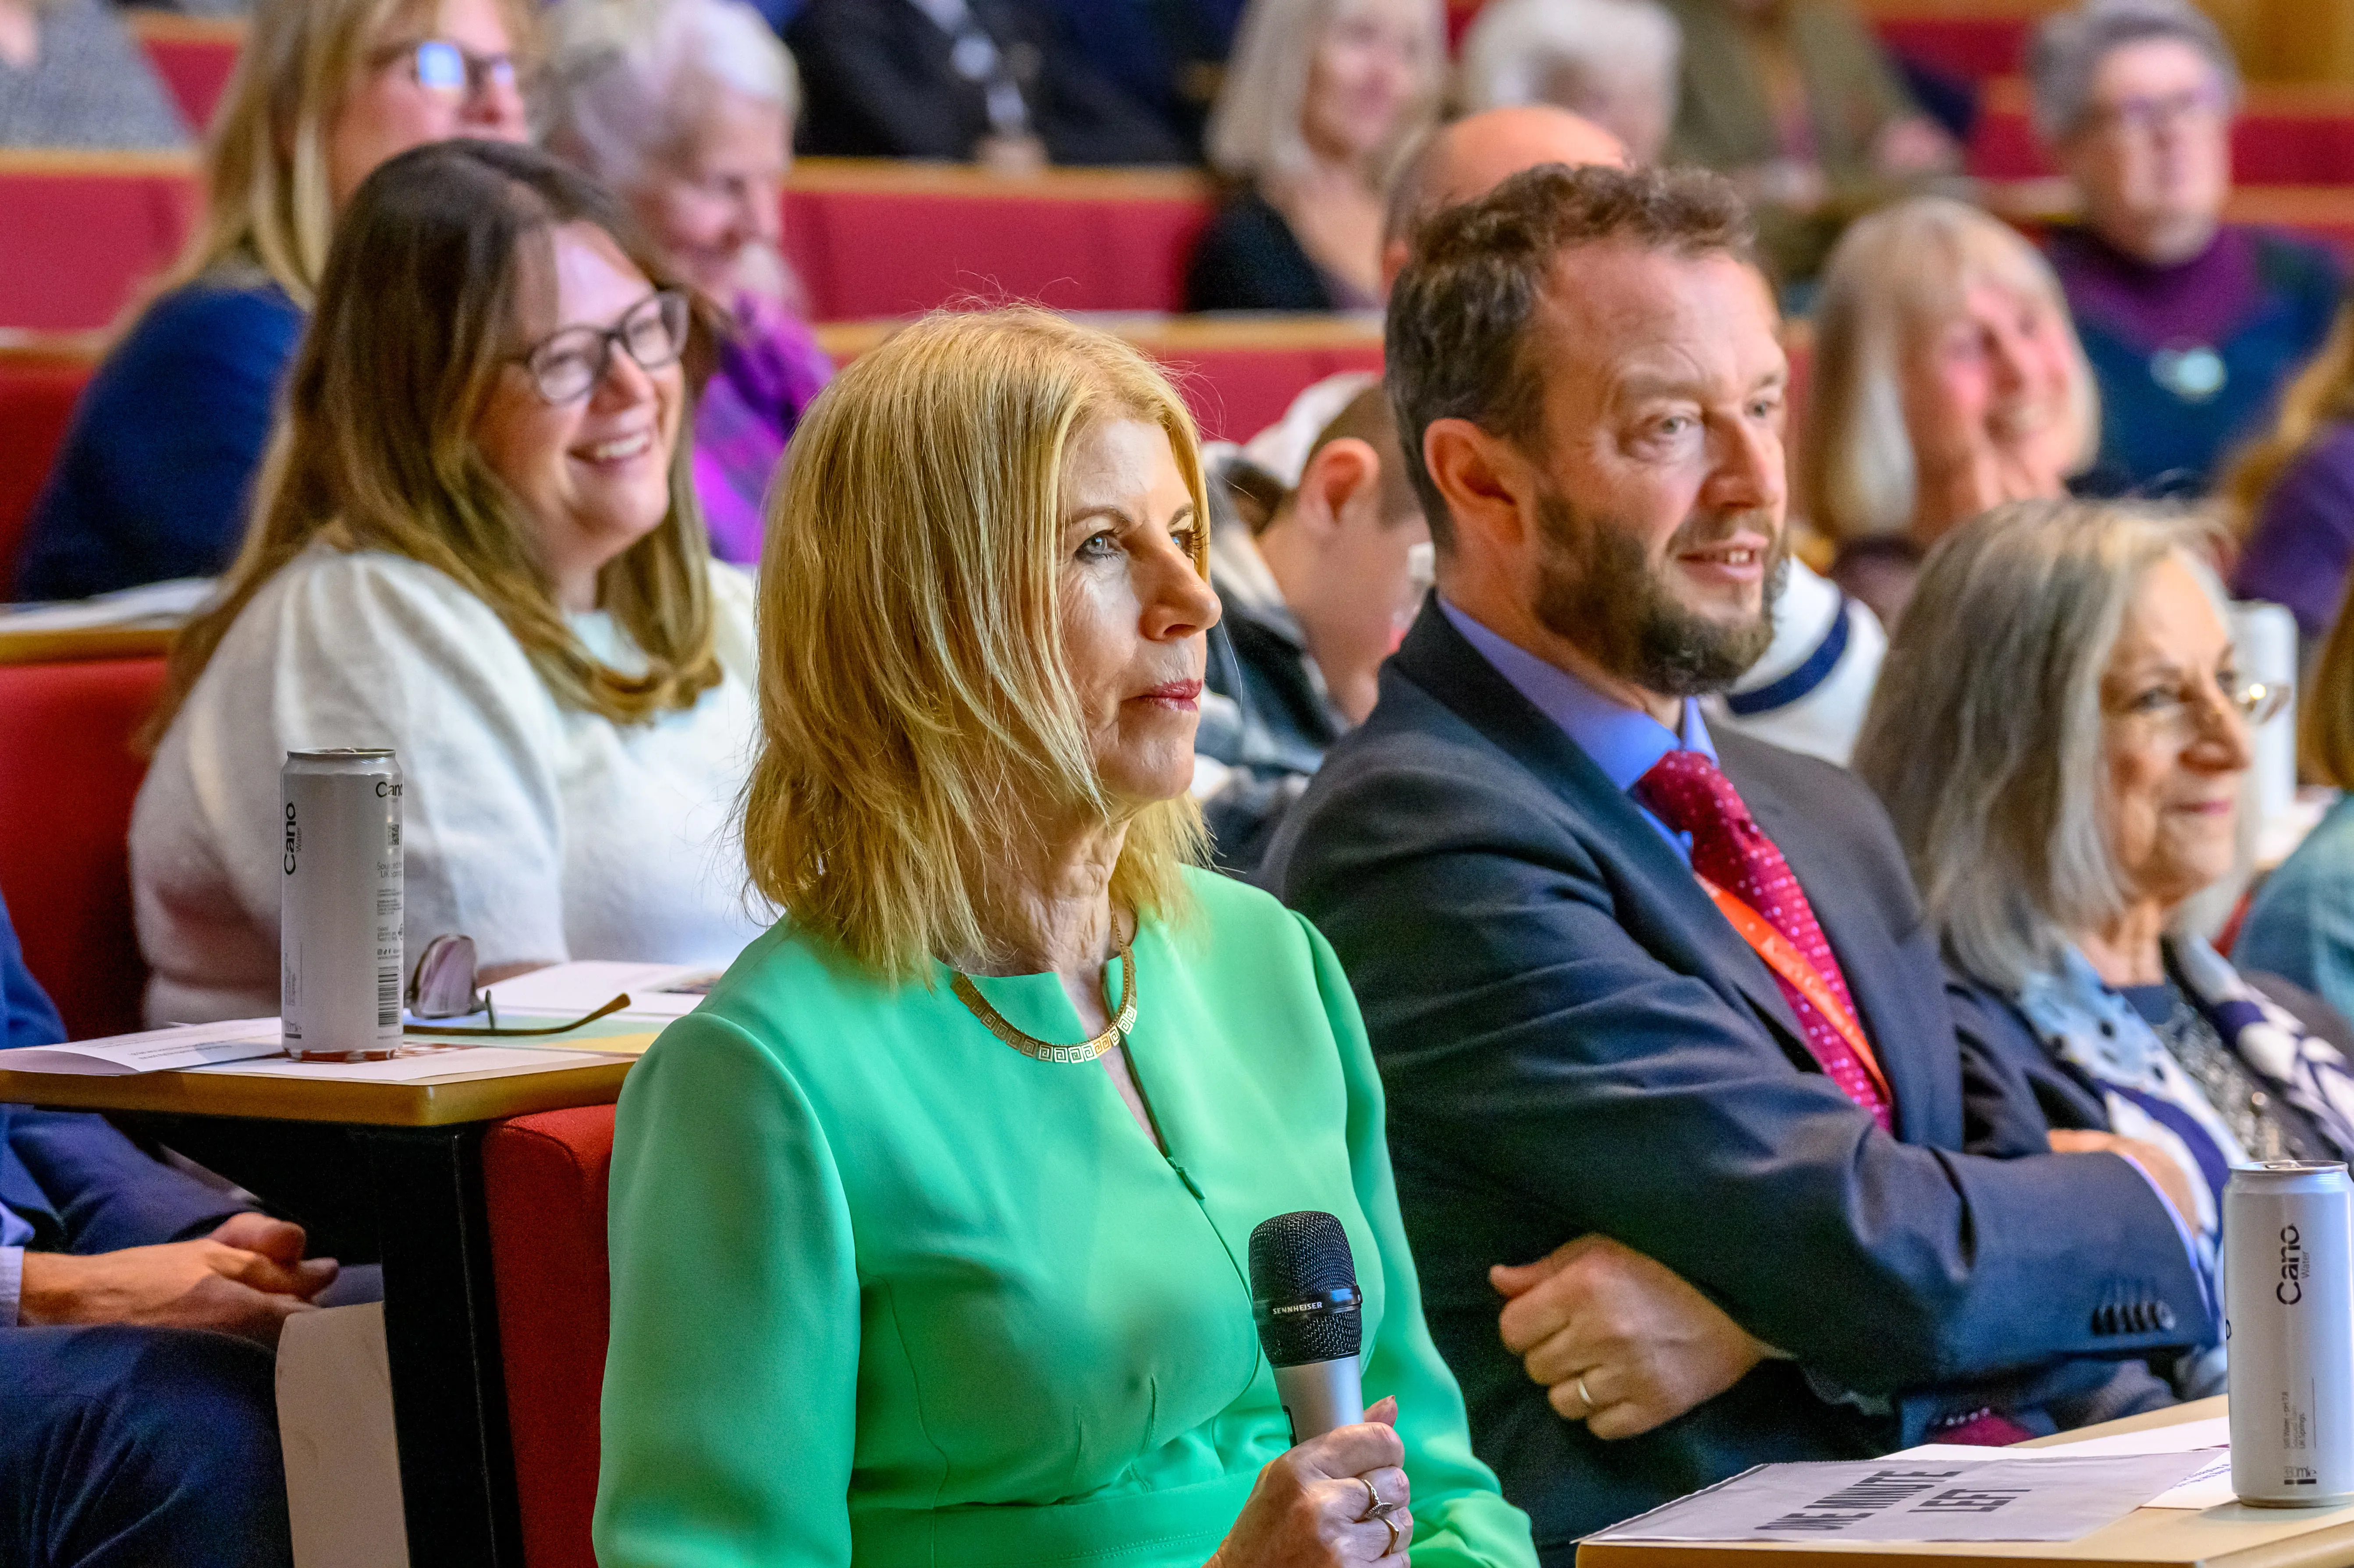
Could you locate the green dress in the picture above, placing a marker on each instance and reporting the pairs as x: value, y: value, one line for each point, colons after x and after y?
x: 888, y: 1292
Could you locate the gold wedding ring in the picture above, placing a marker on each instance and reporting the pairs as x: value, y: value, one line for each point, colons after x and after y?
x: 1374, y: 1506
x: 1390, y: 1525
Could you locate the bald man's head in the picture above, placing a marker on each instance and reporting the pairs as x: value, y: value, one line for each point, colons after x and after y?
x: 1459, y: 162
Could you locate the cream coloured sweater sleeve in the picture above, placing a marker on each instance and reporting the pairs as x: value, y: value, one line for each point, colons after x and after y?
x: 374, y: 649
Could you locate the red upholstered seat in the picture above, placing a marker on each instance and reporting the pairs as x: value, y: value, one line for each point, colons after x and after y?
x: 68, y: 777
x: 1235, y: 392
x: 37, y: 388
x: 544, y: 1181
x: 83, y: 231
x: 873, y: 240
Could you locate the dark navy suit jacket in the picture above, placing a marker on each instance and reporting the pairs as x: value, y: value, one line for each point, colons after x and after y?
x: 1574, y: 1040
x: 80, y: 1184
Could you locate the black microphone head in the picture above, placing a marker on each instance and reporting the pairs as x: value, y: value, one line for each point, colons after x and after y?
x: 1304, y: 1289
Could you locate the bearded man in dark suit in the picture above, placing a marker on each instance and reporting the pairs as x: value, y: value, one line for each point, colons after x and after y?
x: 1638, y: 991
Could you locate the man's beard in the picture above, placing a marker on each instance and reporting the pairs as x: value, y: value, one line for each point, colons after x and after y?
x: 1596, y: 591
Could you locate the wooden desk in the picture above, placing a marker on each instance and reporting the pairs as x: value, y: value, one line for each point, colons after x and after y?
x: 2230, y: 1537
x: 414, y: 1150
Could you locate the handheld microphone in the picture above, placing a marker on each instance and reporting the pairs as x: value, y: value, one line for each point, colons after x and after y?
x: 1305, y: 1299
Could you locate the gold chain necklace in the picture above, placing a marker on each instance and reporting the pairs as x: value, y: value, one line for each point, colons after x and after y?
x: 1039, y: 1050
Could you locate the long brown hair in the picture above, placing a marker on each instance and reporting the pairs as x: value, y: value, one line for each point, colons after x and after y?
x: 416, y: 321
x: 2322, y: 394
x: 266, y: 194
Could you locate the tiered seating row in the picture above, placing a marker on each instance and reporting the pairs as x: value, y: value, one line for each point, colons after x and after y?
x: 1238, y: 376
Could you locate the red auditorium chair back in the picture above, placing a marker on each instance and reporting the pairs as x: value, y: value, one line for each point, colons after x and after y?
x: 544, y: 1179
x: 39, y: 379
x: 68, y: 777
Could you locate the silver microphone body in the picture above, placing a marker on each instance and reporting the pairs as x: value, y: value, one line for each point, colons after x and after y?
x: 1320, y: 1396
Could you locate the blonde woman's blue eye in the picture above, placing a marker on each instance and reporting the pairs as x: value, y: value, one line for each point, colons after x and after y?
x: 1099, y: 546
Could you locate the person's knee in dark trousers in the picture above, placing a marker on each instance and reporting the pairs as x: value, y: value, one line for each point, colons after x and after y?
x: 133, y: 1447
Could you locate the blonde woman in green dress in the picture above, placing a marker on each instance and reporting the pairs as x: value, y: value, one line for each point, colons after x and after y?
x: 928, y: 1224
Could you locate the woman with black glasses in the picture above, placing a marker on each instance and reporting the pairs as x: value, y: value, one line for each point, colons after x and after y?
x: 154, y: 476
x: 477, y: 543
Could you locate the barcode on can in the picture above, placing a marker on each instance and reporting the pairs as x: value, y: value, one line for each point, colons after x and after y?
x: 387, y: 999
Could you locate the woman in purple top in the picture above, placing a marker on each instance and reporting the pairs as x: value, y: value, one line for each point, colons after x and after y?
x: 687, y: 109
x: 2191, y: 325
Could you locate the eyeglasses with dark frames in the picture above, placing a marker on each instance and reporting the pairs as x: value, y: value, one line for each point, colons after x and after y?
x: 443, y: 986
x: 566, y: 365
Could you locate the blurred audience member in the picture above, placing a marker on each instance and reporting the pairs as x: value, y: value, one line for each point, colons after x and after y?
x: 477, y: 543
x: 1613, y: 61
x: 686, y: 107
x: 1167, y: 55
x: 2301, y: 924
x: 1470, y: 157
x: 138, y: 1417
x: 1320, y: 99
x: 1799, y: 104
x: 155, y: 474
x: 1317, y: 591
x: 2292, y: 493
x: 2056, y: 820
x: 993, y: 81
x: 72, y: 76
x: 2193, y: 325
x: 1946, y: 380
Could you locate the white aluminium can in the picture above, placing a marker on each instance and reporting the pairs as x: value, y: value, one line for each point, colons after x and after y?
x: 339, y: 911
x: 2288, y: 1318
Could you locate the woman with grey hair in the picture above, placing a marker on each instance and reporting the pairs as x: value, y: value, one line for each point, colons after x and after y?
x: 687, y: 108
x: 2059, y: 735
x: 1947, y: 378
x: 1319, y: 99
x: 1613, y: 61
x: 2192, y: 324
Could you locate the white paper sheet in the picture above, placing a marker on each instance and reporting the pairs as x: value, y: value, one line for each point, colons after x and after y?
x: 413, y: 1066
x: 2004, y: 1497
x: 2207, y: 1487
x: 154, y: 1051
x: 150, y: 604
x: 567, y: 990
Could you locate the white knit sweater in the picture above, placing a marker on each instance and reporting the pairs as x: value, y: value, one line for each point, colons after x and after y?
x: 542, y: 832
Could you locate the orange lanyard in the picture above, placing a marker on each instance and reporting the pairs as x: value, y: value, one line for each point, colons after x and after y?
x: 1792, y: 966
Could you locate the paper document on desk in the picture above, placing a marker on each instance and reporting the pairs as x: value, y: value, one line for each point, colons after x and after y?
x: 2209, y: 1486
x: 414, y: 1066
x: 154, y: 1051
x: 657, y: 990
x: 2004, y: 1497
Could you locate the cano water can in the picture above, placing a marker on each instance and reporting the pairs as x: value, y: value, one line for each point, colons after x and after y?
x: 2288, y: 1319
x: 339, y: 911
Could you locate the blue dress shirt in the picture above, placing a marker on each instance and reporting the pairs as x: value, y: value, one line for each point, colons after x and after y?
x: 1624, y: 742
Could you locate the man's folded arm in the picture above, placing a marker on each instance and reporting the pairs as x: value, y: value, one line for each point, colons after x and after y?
x: 1522, y: 1030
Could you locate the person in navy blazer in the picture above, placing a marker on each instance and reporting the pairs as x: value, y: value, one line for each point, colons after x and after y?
x: 1585, y: 1061
x: 138, y: 1410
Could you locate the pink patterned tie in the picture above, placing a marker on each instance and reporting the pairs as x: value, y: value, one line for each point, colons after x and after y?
x: 1690, y: 794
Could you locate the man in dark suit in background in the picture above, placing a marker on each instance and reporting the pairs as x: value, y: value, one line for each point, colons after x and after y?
x: 138, y: 1405
x: 1585, y: 1056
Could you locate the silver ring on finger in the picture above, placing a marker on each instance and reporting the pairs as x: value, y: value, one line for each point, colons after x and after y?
x: 1374, y: 1506
x: 1584, y: 1398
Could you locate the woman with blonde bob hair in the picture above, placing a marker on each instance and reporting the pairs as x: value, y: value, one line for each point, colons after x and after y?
x: 2059, y: 733
x: 155, y: 475
x: 1947, y: 378
x: 1319, y: 99
x: 478, y: 545
x: 963, y: 1157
